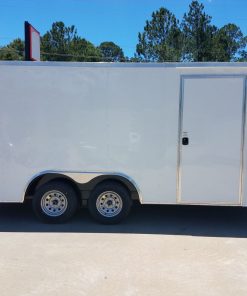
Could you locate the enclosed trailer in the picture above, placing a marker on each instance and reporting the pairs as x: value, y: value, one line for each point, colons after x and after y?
x: 108, y: 133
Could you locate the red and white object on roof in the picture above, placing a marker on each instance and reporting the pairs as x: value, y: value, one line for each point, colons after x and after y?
x: 32, y: 43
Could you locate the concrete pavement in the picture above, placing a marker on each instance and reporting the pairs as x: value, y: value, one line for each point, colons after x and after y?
x: 158, y: 250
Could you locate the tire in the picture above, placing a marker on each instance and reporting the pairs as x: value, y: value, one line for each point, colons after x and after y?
x: 109, y: 203
x: 55, y: 202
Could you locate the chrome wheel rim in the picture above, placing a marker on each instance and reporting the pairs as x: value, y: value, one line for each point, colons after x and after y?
x: 109, y: 204
x: 54, y: 203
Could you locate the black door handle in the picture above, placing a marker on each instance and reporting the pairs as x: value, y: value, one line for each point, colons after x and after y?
x: 185, y: 141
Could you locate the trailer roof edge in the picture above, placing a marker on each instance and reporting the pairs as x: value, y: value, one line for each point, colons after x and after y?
x: 125, y: 65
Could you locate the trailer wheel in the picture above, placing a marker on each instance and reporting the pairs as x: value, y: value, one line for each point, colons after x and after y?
x: 109, y: 203
x: 55, y: 202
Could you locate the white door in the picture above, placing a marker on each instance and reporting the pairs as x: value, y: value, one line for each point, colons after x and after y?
x: 210, y: 153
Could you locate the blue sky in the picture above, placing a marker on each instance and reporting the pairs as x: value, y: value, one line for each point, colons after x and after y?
x: 106, y: 20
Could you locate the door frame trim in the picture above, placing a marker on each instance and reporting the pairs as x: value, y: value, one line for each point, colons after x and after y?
x: 180, y: 131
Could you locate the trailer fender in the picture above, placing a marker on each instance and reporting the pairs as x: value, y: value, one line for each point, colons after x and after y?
x: 81, y: 181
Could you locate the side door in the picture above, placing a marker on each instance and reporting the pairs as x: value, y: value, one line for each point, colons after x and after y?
x: 210, y: 157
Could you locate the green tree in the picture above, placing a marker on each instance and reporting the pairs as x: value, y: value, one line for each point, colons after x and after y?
x: 229, y: 43
x: 111, y: 52
x: 198, y: 34
x: 242, y: 57
x: 13, y: 51
x: 134, y: 59
x: 161, y: 38
x: 84, y: 51
x: 56, y: 43
x: 62, y: 43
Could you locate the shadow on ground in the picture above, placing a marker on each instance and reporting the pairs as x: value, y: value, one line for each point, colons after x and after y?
x: 145, y: 219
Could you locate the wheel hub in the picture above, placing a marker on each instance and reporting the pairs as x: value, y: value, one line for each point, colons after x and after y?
x: 109, y: 204
x: 54, y: 203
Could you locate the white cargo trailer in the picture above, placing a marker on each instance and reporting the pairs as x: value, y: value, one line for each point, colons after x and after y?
x: 108, y: 133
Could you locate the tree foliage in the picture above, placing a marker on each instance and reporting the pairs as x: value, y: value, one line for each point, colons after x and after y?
x: 197, y: 33
x: 13, y: 51
x: 84, y: 51
x: 161, y: 39
x: 195, y: 39
x: 56, y: 43
x: 62, y: 43
x: 229, y: 43
x: 111, y: 52
x: 164, y: 38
